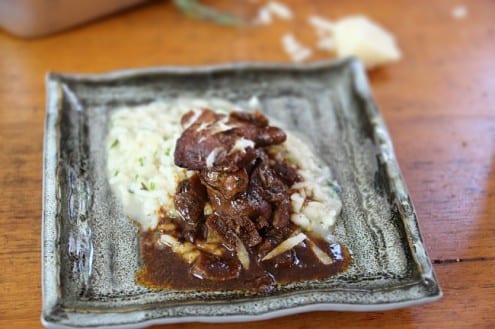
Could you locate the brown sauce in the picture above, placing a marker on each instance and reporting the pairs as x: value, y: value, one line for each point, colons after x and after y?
x: 163, y: 269
x: 245, y: 242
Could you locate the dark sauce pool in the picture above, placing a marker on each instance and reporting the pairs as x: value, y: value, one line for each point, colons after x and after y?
x: 163, y: 269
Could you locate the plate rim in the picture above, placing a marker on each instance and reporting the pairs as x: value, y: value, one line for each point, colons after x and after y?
x: 51, y: 308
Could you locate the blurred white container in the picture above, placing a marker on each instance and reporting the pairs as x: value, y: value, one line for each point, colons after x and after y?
x: 33, y: 18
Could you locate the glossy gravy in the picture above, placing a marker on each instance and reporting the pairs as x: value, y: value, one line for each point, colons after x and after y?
x: 163, y: 269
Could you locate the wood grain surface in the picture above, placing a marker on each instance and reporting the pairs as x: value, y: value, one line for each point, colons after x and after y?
x: 438, y: 103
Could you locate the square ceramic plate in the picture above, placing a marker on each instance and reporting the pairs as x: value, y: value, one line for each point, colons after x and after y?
x: 91, y: 251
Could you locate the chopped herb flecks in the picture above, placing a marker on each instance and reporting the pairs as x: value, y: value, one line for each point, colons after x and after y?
x: 291, y: 159
x: 144, y: 187
x: 141, y: 161
x: 173, y: 213
x: 114, y: 144
x: 335, y: 186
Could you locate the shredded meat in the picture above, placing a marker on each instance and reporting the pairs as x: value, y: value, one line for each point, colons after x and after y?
x: 282, y: 213
x: 227, y: 185
x: 209, y: 142
x: 246, y: 186
x: 286, y: 172
x: 229, y: 228
x: 190, y: 199
x: 267, y: 184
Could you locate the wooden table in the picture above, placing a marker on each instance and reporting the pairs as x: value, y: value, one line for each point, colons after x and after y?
x: 438, y: 102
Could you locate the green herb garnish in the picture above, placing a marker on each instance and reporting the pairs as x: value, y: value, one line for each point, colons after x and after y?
x: 335, y: 187
x: 291, y: 159
x: 114, y: 144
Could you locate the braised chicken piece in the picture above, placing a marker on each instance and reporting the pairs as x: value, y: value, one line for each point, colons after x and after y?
x: 199, y: 116
x: 281, y: 215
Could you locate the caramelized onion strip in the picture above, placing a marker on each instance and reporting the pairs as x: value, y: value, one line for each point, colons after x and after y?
x: 285, y: 246
x: 320, y: 254
x: 186, y: 250
x: 242, y: 254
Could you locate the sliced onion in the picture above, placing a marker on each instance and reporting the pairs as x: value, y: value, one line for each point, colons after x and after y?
x: 285, y: 246
x: 169, y: 241
x: 211, y: 248
x: 320, y: 254
x: 187, y: 250
x: 241, y: 144
x: 210, y: 159
x: 242, y: 254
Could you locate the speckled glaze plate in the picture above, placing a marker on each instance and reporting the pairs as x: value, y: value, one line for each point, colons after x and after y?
x: 91, y: 251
